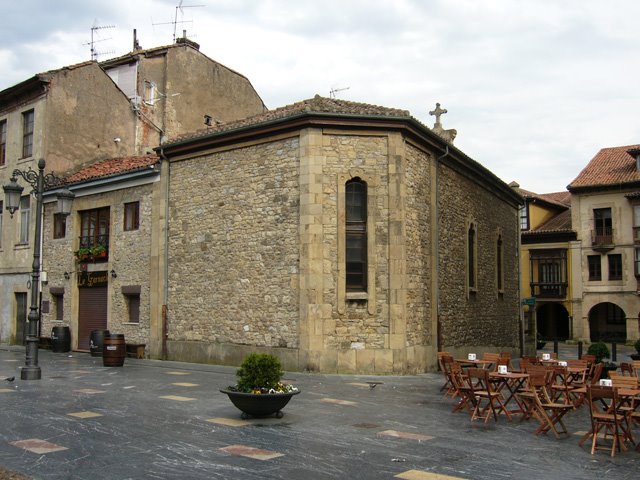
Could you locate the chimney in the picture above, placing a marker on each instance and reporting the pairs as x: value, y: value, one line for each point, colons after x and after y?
x: 136, y: 45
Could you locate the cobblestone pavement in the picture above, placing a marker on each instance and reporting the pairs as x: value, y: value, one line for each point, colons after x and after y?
x: 167, y: 420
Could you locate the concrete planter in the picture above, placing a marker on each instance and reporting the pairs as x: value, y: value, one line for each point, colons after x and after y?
x: 260, y: 405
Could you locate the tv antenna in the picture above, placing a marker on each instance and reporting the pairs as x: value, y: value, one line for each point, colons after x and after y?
x: 94, y: 29
x: 333, y: 91
x: 175, y: 18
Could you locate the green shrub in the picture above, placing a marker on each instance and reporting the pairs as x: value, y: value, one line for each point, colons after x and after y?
x: 259, y: 371
x: 600, y: 350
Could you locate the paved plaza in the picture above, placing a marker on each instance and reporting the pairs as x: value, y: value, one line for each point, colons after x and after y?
x: 167, y: 420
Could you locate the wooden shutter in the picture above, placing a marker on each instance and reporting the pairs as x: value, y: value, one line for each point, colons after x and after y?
x: 92, y: 314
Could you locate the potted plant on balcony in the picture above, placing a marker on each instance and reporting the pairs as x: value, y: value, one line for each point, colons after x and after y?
x: 98, y: 251
x: 260, y: 391
x: 83, y: 254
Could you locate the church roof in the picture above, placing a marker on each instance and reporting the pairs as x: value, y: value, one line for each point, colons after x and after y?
x: 316, y: 104
x: 613, y: 166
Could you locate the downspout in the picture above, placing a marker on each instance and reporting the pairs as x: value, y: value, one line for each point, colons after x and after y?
x: 165, y: 288
x: 437, y: 235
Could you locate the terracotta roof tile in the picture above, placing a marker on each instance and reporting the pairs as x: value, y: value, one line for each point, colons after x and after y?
x: 610, y: 166
x: 316, y: 104
x: 560, y: 197
x: 111, y: 167
x: 559, y: 223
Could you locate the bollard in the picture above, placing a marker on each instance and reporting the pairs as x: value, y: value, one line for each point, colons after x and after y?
x: 555, y: 347
x: 614, y: 353
x: 579, y: 349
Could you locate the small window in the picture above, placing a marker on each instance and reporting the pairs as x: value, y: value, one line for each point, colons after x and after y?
x: 615, y: 266
x: 524, y: 217
x: 25, y: 215
x: 636, y: 268
x: 3, y: 142
x: 131, y: 216
x: 133, y: 308
x: 472, y: 264
x: 595, y: 268
x: 58, y: 301
x: 59, y: 225
x: 1, y: 210
x: 27, y: 133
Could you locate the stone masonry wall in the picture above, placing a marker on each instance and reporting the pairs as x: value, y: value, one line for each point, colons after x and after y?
x: 129, y: 254
x: 365, y: 156
x: 485, y: 318
x: 418, y: 241
x: 233, y: 247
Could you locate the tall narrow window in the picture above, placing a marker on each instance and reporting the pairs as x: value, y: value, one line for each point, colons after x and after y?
x: 3, y: 142
x: 603, y: 226
x: 131, y: 216
x: 636, y: 223
x: 636, y: 262
x: 499, y: 264
x: 615, y: 266
x: 1, y: 210
x: 58, y: 301
x: 25, y: 214
x: 595, y: 268
x: 59, y: 225
x: 471, y: 257
x: 27, y: 133
x: 133, y: 308
x: 356, y: 235
x: 524, y: 217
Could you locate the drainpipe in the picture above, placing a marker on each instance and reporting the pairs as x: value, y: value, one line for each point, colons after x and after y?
x: 165, y: 288
x: 437, y: 236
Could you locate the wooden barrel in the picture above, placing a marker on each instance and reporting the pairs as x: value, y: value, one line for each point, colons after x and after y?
x: 61, y: 339
x: 96, y: 341
x: 113, y: 350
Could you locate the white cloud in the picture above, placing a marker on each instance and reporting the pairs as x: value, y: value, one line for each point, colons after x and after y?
x: 534, y: 88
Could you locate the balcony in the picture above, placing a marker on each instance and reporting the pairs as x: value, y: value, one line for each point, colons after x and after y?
x: 602, y: 239
x: 548, y: 290
x: 93, y: 249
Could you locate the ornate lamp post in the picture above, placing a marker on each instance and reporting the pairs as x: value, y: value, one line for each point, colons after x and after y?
x: 38, y: 181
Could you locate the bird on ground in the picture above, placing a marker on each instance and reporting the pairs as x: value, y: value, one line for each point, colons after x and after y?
x: 10, y: 379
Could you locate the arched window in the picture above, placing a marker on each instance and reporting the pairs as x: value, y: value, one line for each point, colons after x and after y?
x: 499, y: 264
x: 471, y: 257
x: 356, y: 235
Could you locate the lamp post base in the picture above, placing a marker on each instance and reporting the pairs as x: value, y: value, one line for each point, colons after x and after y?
x: 31, y: 373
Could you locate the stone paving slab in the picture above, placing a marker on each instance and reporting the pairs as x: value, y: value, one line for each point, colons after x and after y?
x: 402, y: 428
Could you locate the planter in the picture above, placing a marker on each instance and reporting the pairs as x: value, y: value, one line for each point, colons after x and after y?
x: 635, y: 356
x: 260, y: 405
x: 608, y: 367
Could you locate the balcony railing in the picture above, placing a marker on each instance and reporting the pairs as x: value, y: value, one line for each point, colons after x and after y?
x: 93, y: 248
x: 549, y: 290
x: 602, y: 238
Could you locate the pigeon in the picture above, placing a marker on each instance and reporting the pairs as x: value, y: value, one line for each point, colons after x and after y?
x: 10, y: 379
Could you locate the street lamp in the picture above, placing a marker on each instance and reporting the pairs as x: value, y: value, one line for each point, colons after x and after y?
x: 38, y: 181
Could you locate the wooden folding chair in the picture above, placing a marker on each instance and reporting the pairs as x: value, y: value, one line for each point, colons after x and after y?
x: 605, y: 417
x: 626, y: 369
x: 464, y: 390
x: 488, y: 401
x: 548, y: 412
x: 444, y: 361
x: 492, y: 357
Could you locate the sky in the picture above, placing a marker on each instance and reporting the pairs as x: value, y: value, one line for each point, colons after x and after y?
x: 534, y: 88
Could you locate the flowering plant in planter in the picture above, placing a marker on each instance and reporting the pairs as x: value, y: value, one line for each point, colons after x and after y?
x: 260, y: 391
x: 261, y: 373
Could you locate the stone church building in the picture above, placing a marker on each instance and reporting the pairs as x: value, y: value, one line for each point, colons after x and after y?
x: 339, y: 236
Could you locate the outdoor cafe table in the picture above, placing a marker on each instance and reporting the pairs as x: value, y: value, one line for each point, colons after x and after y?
x: 465, y: 362
x: 513, y: 381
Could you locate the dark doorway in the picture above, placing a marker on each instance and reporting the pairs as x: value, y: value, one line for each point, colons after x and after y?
x: 553, y: 322
x: 92, y: 314
x: 607, y: 322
